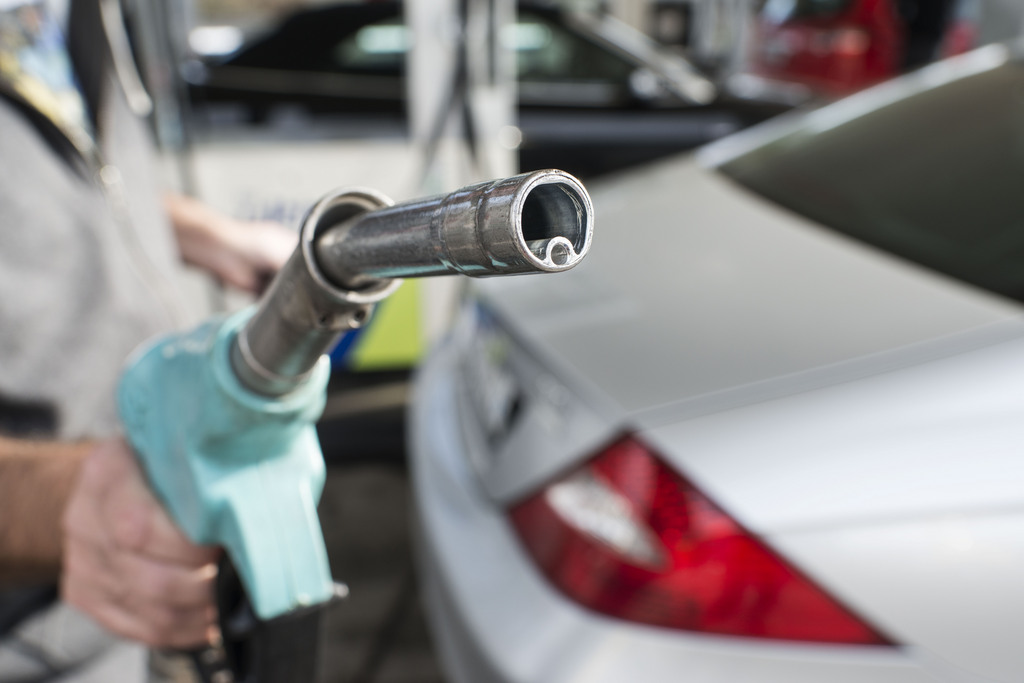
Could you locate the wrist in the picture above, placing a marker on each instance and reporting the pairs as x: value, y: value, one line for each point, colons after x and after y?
x: 36, y: 480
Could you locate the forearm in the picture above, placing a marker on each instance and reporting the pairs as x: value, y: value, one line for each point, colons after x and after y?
x: 36, y: 479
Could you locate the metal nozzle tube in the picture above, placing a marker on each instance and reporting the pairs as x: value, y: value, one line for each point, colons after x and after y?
x: 534, y: 222
x: 353, y: 246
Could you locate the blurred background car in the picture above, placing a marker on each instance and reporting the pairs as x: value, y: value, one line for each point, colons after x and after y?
x: 769, y: 430
x: 837, y: 47
x: 834, y: 47
x: 594, y: 95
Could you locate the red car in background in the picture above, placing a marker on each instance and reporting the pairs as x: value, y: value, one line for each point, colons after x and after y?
x: 835, y: 47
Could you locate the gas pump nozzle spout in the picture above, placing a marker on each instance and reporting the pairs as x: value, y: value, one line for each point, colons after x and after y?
x: 356, y: 245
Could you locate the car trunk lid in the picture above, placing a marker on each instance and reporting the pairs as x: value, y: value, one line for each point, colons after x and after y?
x: 696, y: 288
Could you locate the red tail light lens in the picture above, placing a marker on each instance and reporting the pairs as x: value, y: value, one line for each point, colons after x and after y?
x: 630, y: 538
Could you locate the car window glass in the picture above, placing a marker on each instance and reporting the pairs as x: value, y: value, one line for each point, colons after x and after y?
x: 375, y: 47
x: 545, y: 51
x: 935, y: 178
x: 778, y: 11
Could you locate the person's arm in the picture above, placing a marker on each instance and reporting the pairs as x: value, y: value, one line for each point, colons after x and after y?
x: 83, y: 513
x: 243, y: 254
x: 86, y: 510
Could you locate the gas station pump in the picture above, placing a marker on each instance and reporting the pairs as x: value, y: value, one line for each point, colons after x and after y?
x: 222, y: 417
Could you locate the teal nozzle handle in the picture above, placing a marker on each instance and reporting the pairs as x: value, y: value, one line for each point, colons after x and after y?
x: 233, y: 468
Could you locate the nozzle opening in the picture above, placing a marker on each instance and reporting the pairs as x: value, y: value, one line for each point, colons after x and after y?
x: 555, y: 223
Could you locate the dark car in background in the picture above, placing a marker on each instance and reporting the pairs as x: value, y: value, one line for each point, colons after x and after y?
x: 593, y: 95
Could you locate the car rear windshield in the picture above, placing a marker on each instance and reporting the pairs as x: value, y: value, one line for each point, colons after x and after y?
x: 936, y: 177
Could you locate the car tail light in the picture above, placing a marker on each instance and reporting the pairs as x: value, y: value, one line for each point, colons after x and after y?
x: 628, y: 537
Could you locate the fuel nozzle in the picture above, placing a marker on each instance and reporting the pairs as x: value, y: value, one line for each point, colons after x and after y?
x: 222, y: 416
x: 356, y: 245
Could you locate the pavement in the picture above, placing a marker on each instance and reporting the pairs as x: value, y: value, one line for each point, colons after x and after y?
x: 378, y: 634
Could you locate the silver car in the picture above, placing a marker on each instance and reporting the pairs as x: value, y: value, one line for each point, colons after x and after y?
x: 772, y: 428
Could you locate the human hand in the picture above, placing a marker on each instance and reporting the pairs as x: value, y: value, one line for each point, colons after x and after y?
x: 249, y: 254
x: 125, y: 562
x: 243, y: 254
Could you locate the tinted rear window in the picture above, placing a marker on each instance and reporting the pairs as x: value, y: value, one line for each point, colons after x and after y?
x: 937, y: 178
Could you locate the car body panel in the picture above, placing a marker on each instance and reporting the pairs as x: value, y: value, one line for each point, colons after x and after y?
x: 884, y: 448
x: 777, y: 280
x: 496, y: 619
x: 949, y: 583
x: 527, y: 431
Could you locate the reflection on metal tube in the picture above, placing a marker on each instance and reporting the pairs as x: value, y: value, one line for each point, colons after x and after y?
x: 535, y: 222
